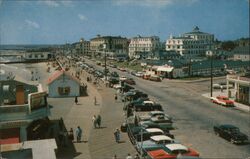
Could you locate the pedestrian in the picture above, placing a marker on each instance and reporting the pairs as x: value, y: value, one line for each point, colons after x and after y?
x: 117, y: 135
x: 78, y: 134
x: 76, y: 100
x: 95, y: 102
x: 94, y: 121
x: 115, y: 97
x: 71, y: 134
x: 129, y: 156
x: 98, y: 120
x: 114, y: 157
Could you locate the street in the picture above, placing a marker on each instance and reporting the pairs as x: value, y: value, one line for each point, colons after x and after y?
x: 194, y: 116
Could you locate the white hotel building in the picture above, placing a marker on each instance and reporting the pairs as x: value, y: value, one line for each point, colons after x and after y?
x: 191, y: 44
x: 142, y: 46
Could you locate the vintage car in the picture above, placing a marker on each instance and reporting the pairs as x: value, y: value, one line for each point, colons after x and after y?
x: 122, y: 78
x: 222, y: 100
x: 155, y: 142
x: 139, y: 74
x: 133, y: 95
x: 172, y: 151
x: 152, y: 114
x: 130, y: 81
x: 146, y: 76
x: 155, y: 78
x: 135, y: 102
x: 139, y: 132
x: 163, y: 123
x: 230, y: 133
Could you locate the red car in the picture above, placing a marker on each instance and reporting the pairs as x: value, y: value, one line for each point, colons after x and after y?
x: 173, y: 151
x: 222, y: 100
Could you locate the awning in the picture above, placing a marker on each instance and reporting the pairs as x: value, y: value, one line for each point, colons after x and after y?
x: 165, y: 69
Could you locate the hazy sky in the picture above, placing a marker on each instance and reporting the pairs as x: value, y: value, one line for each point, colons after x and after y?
x: 57, y: 22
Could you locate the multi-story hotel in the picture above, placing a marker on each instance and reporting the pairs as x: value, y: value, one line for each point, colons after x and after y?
x: 113, y: 44
x: 142, y: 46
x: 83, y: 47
x: 191, y: 44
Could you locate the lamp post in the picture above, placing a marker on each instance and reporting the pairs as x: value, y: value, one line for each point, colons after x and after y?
x: 105, y: 61
x: 211, y: 75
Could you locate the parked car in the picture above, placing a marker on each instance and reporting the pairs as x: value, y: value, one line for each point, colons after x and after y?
x: 122, y: 69
x: 114, y: 74
x: 130, y: 81
x: 155, y: 78
x: 172, y: 151
x: 230, y: 133
x: 164, y: 123
x: 139, y: 74
x: 133, y: 95
x: 122, y: 78
x: 222, y: 100
x: 135, y: 102
x: 155, y: 142
x: 146, y: 76
x: 133, y: 73
x: 152, y: 114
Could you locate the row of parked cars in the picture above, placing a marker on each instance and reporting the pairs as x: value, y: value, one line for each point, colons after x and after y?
x: 148, y: 128
x: 145, y: 76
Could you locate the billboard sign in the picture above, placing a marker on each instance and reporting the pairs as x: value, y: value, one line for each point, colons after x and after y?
x: 37, y: 100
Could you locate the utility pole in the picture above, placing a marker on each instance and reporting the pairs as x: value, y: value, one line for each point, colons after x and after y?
x: 211, y: 71
x: 105, y: 61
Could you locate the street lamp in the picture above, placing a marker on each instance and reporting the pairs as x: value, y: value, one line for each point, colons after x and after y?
x: 105, y: 61
x: 211, y: 71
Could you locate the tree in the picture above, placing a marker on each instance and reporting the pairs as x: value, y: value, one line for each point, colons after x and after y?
x: 228, y: 45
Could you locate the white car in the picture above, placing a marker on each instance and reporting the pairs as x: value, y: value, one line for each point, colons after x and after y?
x: 122, y: 78
x: 139, y: 74
x: 117, y: 86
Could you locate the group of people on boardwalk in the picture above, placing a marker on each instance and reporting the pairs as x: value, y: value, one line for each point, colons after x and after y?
x: 97, y: 121
x: 78, y: 134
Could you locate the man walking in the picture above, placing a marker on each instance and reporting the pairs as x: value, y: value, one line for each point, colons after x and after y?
x: 98, y: 120
x: 94, y: 120
x: 76, y: 100
x: 117, y: 135
x: 78, y: 134
x: 95, y: 102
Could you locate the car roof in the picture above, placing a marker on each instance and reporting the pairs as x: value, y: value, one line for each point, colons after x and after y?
x: 148, y: 102
x: 228, y: 126
x: 173, y: 147
x: 156, y: 112
x: 160, y: 137
x: 151, y: 130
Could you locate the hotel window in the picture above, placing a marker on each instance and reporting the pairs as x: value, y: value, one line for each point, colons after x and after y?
x: 64, y: 90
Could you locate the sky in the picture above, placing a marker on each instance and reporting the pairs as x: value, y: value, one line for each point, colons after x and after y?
x: 60, y: 22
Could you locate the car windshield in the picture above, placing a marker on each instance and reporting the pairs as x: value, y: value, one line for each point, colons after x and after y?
x: 225, y: 98
x: 179, y: 152
x: 234, y: 130
x: 164, y: 142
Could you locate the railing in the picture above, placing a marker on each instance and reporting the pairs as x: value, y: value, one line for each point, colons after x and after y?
x: 14, y: 108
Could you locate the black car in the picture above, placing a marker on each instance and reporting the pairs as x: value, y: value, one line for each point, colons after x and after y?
x: 130, y: 81
x: 230, y: 133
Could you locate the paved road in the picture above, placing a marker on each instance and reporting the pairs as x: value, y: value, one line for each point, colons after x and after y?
x: 194, y: 116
